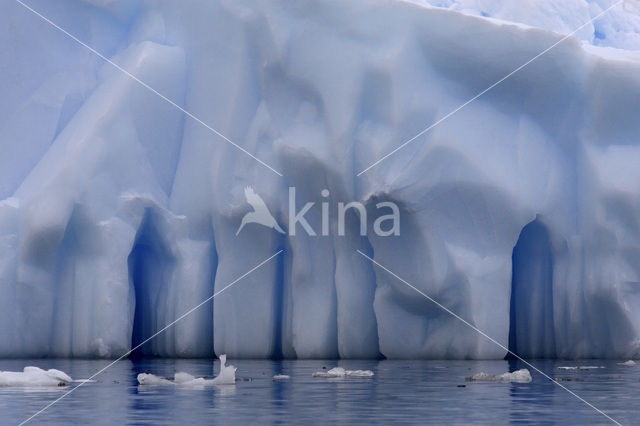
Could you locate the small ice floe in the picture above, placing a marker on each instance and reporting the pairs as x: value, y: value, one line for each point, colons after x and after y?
x: 341, y: 372
x: 580, y: 367
x: 152, y: 379
x: 519, y: 376
x: 629, y: 363
x: 227, y: 376
x: 568, y: 379
x: 281, y: 377
x: 34, y: 376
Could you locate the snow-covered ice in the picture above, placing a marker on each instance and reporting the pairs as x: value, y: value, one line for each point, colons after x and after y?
x: 34, y: 376
x: 118, y: 213
x: 518, y: 376
x: 619, y: 28
x: 339, y: 372
x: 226, y: 376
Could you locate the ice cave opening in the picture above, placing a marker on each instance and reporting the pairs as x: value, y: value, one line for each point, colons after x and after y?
x: 150, y: 265
x: 531, y: 327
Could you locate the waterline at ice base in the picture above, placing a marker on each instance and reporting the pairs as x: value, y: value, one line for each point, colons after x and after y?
x: 119, y: 212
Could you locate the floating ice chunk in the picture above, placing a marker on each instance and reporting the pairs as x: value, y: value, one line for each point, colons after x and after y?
x: 629, y: 363
x: 341, y: 372
x: 580, y: 367
x: 181, y: 378
x: 281, y: 377
x: 226, y: 376
x: 519, y: 376
x: 151, y: 379
x: 34, y: 376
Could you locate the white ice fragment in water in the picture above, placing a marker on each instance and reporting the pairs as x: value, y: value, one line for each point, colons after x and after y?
x: 581, y: 367
x: 281, y: 377
x: 629, y: 363
x: 519, y: 376
x: 151, y: 379
x: 34, y: 376
x: 341, y: 372
x: 226, y: 376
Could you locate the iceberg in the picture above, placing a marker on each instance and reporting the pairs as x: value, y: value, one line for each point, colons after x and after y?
x: 34, y: 376
x: 119, y: 210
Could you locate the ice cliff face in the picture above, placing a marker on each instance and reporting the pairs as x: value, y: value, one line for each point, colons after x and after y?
x: 119, y: 213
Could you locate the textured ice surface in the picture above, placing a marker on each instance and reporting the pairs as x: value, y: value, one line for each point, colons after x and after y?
x: 119, y: 213
x: 34, y: 376
x: 620, y: 27
x: 339, y: 372
x: 226, y: 376
x: 519, y: 376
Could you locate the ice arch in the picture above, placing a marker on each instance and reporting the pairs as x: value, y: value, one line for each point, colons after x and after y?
x: 531, y: 331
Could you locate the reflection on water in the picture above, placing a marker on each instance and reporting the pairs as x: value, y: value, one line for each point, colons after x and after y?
x: 400, y: 392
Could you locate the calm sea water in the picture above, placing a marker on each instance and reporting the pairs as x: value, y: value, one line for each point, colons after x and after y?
x: 400, y: 392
